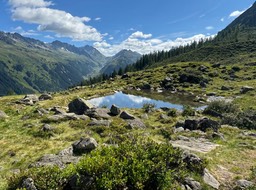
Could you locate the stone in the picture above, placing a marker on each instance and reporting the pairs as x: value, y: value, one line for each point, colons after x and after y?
x: 178, y: 130
x: 98, y: 113
x: 135, y: 123
x: 144, y: 116
x: 79, y: 106
x: 84, y: 145
x: 191, y: 124
x: 201, y: 124
x: 246, y: 89
x: 203, y: 84
x: 218, y: 136
x: 47, y: 128
x: 66, y: 117
x: 75, y: 182
x: 125, y: 76
x: 3, y: 115
x: 225, y: 88
x: 163, y: 116
x: 126, y: 115
x: 41, y: 111
x: 210, y: 180
x: 243, y: 184
x: 114, y: 110
x: 45, y: 97
x: 193, y: 184
x: 191, y: 159
x: 105, y: 123
x: 58, y: 110
x: 29, y: 99
x: 28, y: 184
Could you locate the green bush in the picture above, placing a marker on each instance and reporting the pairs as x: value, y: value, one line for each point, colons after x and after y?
x: 188, y: 111
x: 221, y: 107
x: 172, y: 112
x: 133, y: 164
x: 148, y: 107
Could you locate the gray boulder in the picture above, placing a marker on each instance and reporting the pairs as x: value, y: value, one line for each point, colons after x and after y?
x: 98, y: 113
x: 135, y: 123
x: 210, y: 180
x: 105, y: 123
x: 243, y: 184
x: 28, y: 184
x: 84, y: 145
x: 29, y: 99
x: 114, y: 110
x: 79, y: 106
x: 47, y: 128
x: 193, y: 184
x: 201, y: 124
x: 126, y: 115
x: 245, y: 89
x: 45, y: 97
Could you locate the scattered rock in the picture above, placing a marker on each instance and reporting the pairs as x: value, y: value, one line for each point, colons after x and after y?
x: 29, y: 99
x: 79, y: 106
x: 67, y: 116
x: 218, y: 136
x: 192, y: 144
x: 84, y: 145
x: 45, y: 97
x: 41, y: 111
x: 210, y: 180
x: 193, y: 184
x: 114, y: 110
x: 28, y: 184
x: 3, y: 115
x: 246, y: 89
x: 211, y: 94
x: 100, y: 123
x: 126, y: 115
x: 201, y: 124
x: 178, y: 130
x: 163, y: 116
x: 58, y: 110
x: 135, y: 123
x: 98, y: 113
x: 243, y: 184
x: 47, y: 128
x: 225, y: 88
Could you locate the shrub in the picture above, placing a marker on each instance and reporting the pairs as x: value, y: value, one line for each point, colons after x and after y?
x: 172, y: 112
x: 188, y: 111
x: 148, y: 107
x: 216, y: 108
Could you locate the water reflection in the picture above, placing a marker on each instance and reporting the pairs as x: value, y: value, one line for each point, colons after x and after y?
x: 123, y: 100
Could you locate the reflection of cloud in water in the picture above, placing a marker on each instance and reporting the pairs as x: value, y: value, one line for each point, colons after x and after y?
x: 138, y: 99
x: 98, y: 101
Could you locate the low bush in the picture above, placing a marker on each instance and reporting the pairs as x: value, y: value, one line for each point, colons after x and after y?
x: 188, y: 111
x: 221, y: 107
x: 148, y: 107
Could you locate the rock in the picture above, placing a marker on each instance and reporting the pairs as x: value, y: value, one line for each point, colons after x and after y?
x: 191, y: 124
x: 135, y: 123
x: 225, y: 88
x: 45, y: 97
x: 246, y: 89
x: 55, y: 160
x: 194, y: 185
x: 98, y: 113
x: 3, y: 115
x: 79, y: 106
x: 28, y: 184
x: 210, y: 180
x: 75, y: 182
x: 144, y: 116
x: 203, y: 84
x: 47, y: 128
x: 191, y: 159
x: 29, y: 99
x: 201, y: 124
x: 114, y: 110
x: 243, y: 184
x: 145, y: 86
x: 218, y: 136
x: 66, y: 152
x: 126, y: 115
x: 41, y: 111
x: 66, y: 117
x: 84, y: 145
x: 212, y: 113
x: 125, y: 76
x: 178, y: 130
x: 163, y: 116
x: 58, y: 110
x: 211, y: 94
x: 105, y: 123
x: 203, y: 68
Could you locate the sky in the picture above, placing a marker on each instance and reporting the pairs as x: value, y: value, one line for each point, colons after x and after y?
x: 112, y: 25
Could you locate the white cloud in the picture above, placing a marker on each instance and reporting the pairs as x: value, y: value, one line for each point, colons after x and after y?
x: 97, y: 19
x: 111, y: 38
x: 209, y: 28
x: 144, y: 45
x: 139, y: 34
x: 60, y: 22
x: 236, y: 13
x: 222, y: 19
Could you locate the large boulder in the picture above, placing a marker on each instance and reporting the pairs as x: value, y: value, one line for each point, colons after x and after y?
x: 29, y: 99
x: 95, y: 122
x: 135, y: 124
x: 126, y: 115
x: 98, y: 113
x: 79, y: 106
x: 193, y: 184
x: 243, y: 184
x: 84, y: 146
x: 114, y: 110
x: 201, y: 124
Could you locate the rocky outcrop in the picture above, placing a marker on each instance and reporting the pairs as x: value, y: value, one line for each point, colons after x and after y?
x: 95, y: 122
x: 45, y: 97
x: 201, y: 124
x: 126, y: 115
x: 79, y: 106
x: 84, y: 146
x: 29, y: 99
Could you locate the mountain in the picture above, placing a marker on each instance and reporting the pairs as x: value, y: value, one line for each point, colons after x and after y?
x: 120, y: 60
x: 28, y: 65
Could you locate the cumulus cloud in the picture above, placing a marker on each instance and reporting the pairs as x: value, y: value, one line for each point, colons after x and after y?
x: 139, y: 34
x: 60, y: 22
x: 144, y: 45
x: 236, y: 13
x: 97, y: 19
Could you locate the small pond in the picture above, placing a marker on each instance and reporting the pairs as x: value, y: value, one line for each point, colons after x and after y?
x: 124, y: 100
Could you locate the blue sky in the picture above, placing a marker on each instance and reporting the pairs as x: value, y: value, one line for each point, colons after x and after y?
x: 112, y: 25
